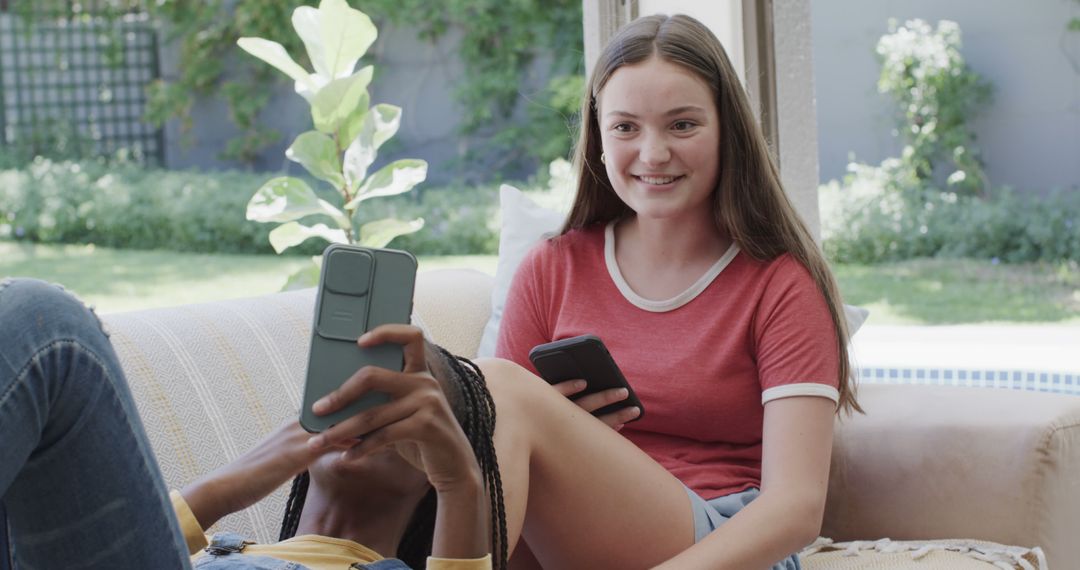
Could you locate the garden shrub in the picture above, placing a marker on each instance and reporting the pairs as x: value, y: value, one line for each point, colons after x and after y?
x: 900, y: 210
x: 882, y: 213
x: 937, y: 95
x: 458, y: 220
x: 128, y: 206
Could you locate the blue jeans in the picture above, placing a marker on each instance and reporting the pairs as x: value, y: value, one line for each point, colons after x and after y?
x: 78, y: 479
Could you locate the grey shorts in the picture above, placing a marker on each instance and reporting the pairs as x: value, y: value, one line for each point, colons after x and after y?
x: 709, y: 515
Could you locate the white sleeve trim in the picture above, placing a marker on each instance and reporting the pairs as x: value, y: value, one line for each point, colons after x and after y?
x: 801, y: 389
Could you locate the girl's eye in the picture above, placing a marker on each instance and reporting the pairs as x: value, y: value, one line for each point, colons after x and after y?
x: 622, y: 127
x: 683, y: 125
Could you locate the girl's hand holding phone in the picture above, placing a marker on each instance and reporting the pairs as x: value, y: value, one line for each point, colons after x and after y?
x: 582, y: 369
x: 592, y: 402
x: 417, y: 421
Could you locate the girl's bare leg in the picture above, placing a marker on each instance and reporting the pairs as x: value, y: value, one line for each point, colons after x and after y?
x: 582, y: 495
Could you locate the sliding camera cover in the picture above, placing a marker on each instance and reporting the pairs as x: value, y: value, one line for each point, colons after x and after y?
x: 359, y: 289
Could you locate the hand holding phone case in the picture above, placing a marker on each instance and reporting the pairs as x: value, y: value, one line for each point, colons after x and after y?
x: 584, y: 357
x: 359, y: 289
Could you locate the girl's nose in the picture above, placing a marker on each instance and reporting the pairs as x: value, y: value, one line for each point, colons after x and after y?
x: 654, y: 150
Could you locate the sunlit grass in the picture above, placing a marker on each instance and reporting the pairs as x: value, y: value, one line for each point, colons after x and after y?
x: 122, y: 280
x: 916, y: 292
x: 956, y: 291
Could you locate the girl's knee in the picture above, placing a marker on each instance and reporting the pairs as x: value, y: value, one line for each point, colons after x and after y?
x: 514, y: 386
x: 32, y: 306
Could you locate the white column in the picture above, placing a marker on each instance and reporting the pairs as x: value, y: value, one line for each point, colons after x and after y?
x: 601, y: 18
x: 796, y: 112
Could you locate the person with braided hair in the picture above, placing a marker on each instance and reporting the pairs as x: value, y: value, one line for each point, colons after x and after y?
x: 422, y: 483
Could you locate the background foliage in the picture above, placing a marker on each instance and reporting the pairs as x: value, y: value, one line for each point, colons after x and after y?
x: 127, y: 206
x: 499, y: 42
x: 882, y: 213
x: 900, y: 209
x: 206, y: 33
x: 937, y: 95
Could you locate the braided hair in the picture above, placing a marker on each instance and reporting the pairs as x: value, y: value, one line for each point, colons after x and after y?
x: 474, y: 409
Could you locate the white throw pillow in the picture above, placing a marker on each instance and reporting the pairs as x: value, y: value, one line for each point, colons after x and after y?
x: 524, y: 223
x: 855, y: 316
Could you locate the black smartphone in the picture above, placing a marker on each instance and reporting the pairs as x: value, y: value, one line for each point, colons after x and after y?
x: 584, y: 357
x: 360, y: 288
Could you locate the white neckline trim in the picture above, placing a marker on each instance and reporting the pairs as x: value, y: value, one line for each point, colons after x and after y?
x: 668, y: 304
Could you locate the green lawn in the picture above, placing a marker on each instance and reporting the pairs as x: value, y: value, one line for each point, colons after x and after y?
x: 927, y: 291
x: 122, y: 280
x: 963, y: 291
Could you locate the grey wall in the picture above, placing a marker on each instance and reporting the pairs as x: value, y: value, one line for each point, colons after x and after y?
x: 414, y: 75
x: 1030, y: 135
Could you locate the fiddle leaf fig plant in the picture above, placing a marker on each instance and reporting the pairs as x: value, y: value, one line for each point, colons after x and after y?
x: 343, y: 145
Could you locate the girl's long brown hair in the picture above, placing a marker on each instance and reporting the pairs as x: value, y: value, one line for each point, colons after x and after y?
x: 749, y: 203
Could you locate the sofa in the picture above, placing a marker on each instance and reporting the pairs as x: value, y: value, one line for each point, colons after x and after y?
x: 929, y: 477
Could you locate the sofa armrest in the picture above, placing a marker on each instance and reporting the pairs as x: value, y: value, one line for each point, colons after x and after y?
x: 931, y: 462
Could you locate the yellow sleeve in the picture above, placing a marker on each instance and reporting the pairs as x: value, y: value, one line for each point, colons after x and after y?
x: 434, y: 563
x: 189, y: 526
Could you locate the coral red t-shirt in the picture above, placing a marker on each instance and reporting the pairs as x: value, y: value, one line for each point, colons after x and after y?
x: 703, y: 363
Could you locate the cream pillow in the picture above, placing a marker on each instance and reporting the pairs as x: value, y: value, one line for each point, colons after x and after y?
x: 524, y: 223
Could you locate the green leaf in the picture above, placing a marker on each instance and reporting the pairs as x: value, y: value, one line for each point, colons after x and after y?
x: 287, y: 235
x: 395, y: 178
x: 377, y: 127
x: 335, y: 36
x: 285, y: 199
x: 305, y: 277
x: 319, y: 155
x: 381, y: 232
x: 274, y: 53
x: 385, y: 120
x: 337, y: 100
x: 354, y: 124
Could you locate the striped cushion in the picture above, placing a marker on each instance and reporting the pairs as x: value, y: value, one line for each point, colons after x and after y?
x: 210, y: 380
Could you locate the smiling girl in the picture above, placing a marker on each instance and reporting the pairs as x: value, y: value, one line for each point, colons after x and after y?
x: 683, y: 253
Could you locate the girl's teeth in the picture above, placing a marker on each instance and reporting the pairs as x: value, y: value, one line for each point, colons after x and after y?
x: 658, y: 181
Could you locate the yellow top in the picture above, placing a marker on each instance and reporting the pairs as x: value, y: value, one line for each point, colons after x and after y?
x: 314, y: 551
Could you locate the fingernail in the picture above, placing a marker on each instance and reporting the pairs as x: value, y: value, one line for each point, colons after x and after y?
x: 636, y: 411
x: 316, y: 442
x: 580, y: 385
x: 619, y: 427
x: 319, y: 406
x: 363, y: 338
x: 623, y: 393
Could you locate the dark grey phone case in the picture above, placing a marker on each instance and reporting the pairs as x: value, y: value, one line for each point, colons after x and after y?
x: 584, y: 357
x: 360, y: 288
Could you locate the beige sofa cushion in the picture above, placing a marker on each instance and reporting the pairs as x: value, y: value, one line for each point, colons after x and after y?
x: 929, y: 462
